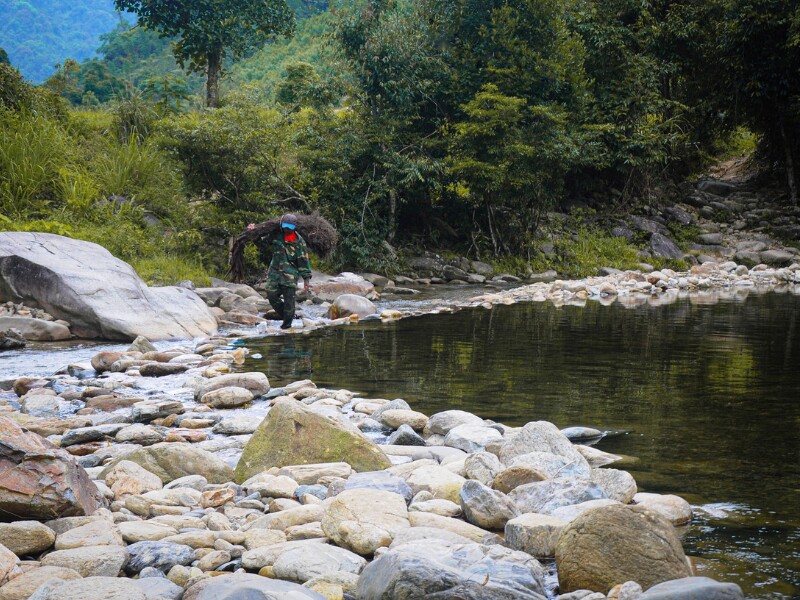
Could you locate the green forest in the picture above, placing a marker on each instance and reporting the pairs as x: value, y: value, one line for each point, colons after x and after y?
x: 453, y: 125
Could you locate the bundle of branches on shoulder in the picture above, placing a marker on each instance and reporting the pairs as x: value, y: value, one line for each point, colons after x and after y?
x: 320, y: 236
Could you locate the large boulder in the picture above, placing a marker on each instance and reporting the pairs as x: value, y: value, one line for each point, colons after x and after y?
x: 614, y: 544
x: 26, y: 537
x: 329, y: 288
x: 172, y: 461
x: 256, y: 383
x: 347, y: 305
x: 694, y: 588
x: 23, y: 587
x: 35, y: 330
x: 540, y: 436
x: 293, y: 434
x: 486, y: 507
x: 363, y: 520
x: 437, y: 569
x: 663, y: 246
x: 101, y: 296
x: 40, y: 481
x: 546, y: 496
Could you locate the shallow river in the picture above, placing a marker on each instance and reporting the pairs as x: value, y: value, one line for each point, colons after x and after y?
x: 705, y: 398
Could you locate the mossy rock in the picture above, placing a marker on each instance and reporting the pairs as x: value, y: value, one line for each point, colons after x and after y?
x: 173, y: 461
x: 293, y: 434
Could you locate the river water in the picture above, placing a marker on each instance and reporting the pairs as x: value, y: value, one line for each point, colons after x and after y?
x: 704, y: 397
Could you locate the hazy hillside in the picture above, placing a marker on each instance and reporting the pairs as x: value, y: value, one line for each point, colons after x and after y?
x: 37, y: 34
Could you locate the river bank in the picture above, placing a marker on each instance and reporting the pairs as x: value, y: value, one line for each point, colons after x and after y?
x: 152, y: 390
x: 441, y: 486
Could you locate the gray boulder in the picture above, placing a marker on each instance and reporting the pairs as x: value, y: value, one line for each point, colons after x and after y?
x: 718, y: 188
x: 100, y: 295
x: 109, y: 588
x: 441, y: 423
x: 546, y: 496
x: 694, y: 588
x: 379, y: 480
x: 351, y: 304
x: 34, y: 330
x: 486, y: 507
x: 663, y: 246
x: 11, y: 339
x: 437, y: 569
x: 173, y: 461
x: 775, y: 258
x: 405, y: 436
x: 539, y: 436
x: 240, y: 586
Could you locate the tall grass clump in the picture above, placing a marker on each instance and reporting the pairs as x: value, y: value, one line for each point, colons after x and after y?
x: 32, y: 150
x: 589, y: 250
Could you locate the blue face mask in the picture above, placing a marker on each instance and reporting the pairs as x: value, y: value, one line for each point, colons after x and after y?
x: 288, y: 226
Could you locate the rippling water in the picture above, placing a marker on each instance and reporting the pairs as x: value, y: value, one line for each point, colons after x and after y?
x: 703, y: 397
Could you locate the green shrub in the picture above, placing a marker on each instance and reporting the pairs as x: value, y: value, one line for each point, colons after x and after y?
x: 591, y: 249
x: 164, y: 269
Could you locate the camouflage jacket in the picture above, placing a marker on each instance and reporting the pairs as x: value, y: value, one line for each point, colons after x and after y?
x: 289, y: 261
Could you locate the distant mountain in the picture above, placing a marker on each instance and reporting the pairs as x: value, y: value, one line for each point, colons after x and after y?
x: 37, y: 34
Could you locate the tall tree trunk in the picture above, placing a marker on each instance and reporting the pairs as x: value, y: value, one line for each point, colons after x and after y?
x: 392, y: 216
x: 790, y: 174
x: 212, y: 81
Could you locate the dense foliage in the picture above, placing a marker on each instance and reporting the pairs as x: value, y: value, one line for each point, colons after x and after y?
x: 208, y: 31
x: 449, y: 123
x: 71, y: 173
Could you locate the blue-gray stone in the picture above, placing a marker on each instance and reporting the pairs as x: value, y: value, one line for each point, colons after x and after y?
x: 380, y: 480
x: 159, y: 555
x: 320, y: 491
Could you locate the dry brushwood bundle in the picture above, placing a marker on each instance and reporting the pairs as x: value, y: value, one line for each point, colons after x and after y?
x: 320, y: 236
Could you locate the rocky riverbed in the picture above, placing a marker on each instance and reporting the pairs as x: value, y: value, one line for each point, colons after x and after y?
x: 172, y: 472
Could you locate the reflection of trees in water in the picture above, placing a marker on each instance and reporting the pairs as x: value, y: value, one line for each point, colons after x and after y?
x: 288, y: 359
x: 706, y: 383
x: 706, y: 388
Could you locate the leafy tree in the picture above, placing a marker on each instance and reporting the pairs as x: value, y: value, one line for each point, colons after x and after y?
x: 65, y: 81
x: 304, y: 87
x: 4, y: 60
x: 207, y: 31
x: 509, y: 160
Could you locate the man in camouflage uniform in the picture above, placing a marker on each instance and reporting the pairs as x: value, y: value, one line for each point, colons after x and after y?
x: 289, y: 262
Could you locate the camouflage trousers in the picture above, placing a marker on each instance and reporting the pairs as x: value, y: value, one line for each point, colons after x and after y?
x: 281, y: 298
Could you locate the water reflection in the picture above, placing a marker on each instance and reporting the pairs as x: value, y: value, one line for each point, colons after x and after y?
x: 705, y: 388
